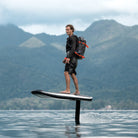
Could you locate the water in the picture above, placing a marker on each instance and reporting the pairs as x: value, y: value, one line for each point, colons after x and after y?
x: 60, y: 124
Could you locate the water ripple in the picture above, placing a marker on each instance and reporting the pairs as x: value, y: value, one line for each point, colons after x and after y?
x: 60, y: 124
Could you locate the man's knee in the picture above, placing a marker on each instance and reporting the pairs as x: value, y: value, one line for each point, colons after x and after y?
x: 66, y: 73
x: 73, y: 75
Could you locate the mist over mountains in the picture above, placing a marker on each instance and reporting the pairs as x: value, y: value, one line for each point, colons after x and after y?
x: 108, y: 73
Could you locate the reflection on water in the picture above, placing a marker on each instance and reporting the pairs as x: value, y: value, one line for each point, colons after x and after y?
x: 60, y: 124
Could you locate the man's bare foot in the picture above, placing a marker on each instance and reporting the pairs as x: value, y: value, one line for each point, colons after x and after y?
x: 76, y: 93
x: 65, y: 92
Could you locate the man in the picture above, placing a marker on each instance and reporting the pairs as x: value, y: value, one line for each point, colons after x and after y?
x: 71, y: 60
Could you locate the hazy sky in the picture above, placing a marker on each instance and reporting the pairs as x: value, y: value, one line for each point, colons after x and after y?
x: 51, y: 16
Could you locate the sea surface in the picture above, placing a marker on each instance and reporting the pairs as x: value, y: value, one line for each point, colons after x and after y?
x: 60, y: 124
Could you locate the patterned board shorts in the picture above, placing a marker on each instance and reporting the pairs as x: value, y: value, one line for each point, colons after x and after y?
x: 71, y: 66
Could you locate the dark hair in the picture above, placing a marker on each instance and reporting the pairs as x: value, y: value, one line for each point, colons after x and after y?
x: 71, y: 27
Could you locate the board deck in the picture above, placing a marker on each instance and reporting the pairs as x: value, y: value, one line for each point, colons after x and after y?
x: 44, y: 94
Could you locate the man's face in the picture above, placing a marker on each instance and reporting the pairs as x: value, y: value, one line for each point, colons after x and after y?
x: 68, y: 30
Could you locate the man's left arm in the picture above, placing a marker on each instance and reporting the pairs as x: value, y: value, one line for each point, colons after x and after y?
x: 73, y: 47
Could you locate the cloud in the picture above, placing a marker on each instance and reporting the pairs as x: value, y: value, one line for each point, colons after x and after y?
x: 52, y: 15
x: 38, y: 28
x: 128, y: 20
x: 57, y: 29
x: 122, y: 6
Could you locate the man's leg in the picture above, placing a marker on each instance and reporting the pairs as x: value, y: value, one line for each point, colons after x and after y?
x: 75, y: 80
x: 67, y: 78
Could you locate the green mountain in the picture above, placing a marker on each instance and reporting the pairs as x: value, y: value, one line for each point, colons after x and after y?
x: 11, y: 35
x: 108, y: 73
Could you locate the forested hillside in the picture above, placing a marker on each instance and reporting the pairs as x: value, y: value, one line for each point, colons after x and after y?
x: 108, y: 73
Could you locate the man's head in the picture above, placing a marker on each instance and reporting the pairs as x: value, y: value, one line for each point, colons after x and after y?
x: 69, y: 29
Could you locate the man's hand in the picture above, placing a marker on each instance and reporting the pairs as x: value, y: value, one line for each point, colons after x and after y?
x: 67, y: 60
x: 64, y: 61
